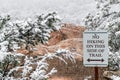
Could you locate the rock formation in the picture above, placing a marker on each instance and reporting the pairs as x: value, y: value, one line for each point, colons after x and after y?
x: 68, y: 31
x: 68, y: 37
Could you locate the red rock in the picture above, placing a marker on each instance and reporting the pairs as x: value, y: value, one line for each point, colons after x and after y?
x: 68, y: 37
x: 68, y: 31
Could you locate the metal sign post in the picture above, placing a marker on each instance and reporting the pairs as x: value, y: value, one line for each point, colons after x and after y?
x: 95, y: 48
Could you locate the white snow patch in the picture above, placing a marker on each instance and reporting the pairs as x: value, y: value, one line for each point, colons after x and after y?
x: 115, y: 77
x: 3, y: 55
x: 117, y: 33
x: 87, y: 77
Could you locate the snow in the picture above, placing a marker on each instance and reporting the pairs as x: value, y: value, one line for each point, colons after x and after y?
x: 41, y: 70
x: 117, y: 33
x: 70, y: 11
x: 3, y: 55
x: 87, y: 77
x: 115, y: 77
x: 3, y: 46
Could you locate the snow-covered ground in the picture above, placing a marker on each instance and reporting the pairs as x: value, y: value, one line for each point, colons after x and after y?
x: 72, y: 11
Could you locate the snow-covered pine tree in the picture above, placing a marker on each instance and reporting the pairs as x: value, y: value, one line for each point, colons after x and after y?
x: 6, y: 33
x: 34, y: 32
x: 28, y: 32
x: 3, y: 21
x: 107, y: 17
x: 33, y: 68
x: 47, y: 24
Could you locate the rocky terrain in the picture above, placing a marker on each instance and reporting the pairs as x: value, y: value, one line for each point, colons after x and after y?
x: 69, y: 37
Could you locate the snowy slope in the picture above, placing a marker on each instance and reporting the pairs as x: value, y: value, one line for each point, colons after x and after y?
x: 69, y: 10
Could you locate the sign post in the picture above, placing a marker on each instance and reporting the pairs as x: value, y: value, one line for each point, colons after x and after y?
x: 95, y: 48
x: 96, y: 73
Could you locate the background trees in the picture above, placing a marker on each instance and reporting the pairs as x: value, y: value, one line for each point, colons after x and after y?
x: 107, y: 17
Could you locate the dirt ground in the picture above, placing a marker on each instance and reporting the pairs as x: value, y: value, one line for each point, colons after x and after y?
x: 74, y: 71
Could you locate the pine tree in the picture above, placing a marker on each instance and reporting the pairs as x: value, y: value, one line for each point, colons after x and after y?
x: 107, y: 17
x: 28, y: 32
x: 38, y: 31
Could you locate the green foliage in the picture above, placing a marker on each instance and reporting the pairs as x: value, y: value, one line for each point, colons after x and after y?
x: 46, y: 24
x: 28, y: 33
x: 114, y: 40
x: 38, y: 31
x: 113, y: 62
x: 45, y: 79
x: 107, y: 18
x: 3, y: 21
x: 7, y: 63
